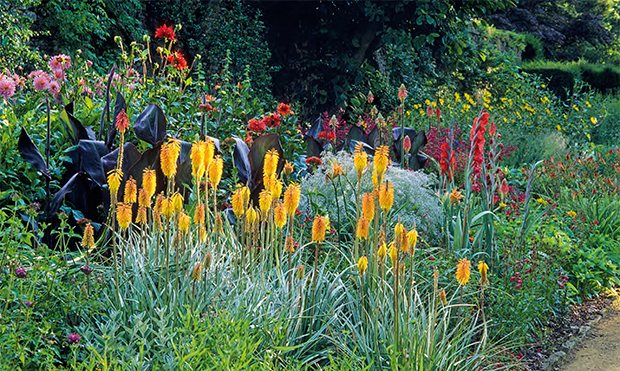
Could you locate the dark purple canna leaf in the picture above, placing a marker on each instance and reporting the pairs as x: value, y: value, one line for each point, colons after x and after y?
x: 89, y: 154
x: 151, y: 125
x: 148, y: 159
x: 30, y: 153
x: 242, y: 161
x: 131, y: 155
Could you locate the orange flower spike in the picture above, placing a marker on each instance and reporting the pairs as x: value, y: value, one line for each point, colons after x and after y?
x: 291, y: 198
x: 280, y: 215
x: 144, y: 200
x: 319, y: 227
x: 368, y: 206
x: 159, y: 202
x: 463, y: 271
x: 167, y: 207
x: 215, y: 171
x: 362, y: 228
x: 382, y: 161
x: 289, y: 246
x: 272, y: 157
x: 141, y: 218
x: 168, y: 165
x: 131, y: 191
x: 289, y: 167
x: 264, y: 201
x: 88, y: 240
x: 386, y: 196
x: 198, y: 160
x: 208, y: 149
x: 360, y: 159
x: 199, y: 214
x: 238, y: 202
x: 123, y: 214
x: 382, y: 251
x: 149, y: 181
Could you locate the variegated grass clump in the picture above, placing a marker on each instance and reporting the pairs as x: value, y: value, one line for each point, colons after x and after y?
x: 414, y: 201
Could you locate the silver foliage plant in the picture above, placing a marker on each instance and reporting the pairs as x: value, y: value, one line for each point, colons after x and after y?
x: 414, y: 199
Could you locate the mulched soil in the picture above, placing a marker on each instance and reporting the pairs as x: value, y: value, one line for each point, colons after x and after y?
x: 532, y: 358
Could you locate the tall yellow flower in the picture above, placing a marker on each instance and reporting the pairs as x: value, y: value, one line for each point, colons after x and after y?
x: 289, y: 246
x: 141, y: 218
x: 382, y: 161
x: 362, y: 228
x: 114, y: 180
x: 291, y: 198
x: 386, y: 196
x: 88, y: 240
x: 159, y: 202
x: 274, y: 185
x: 215, y: 171
x: 360, y: 160
x: 382, y: 251
x: 289, y: 167
x: 131, y: 191
x: 393, y: 254
x: 157, y: 220
x: 264, y: 201
x: 169, y: 155
x: 198, y: 160
x: 280, y: 215
x: 177, y: 201
x: 144, y: 200
x: 400, y: 235
x: 368, y: 206
x: 412, y: 236
x: 442, y: 297
x: 270, y: 164
x: 483, y: 268
x: 237, y: 202
x: 362, y: 265
x: 208, y: 150
x: 149, y: 181
x: 167, y: 207
x: 251, y: 216
x: 184, y: 222
x: 319, y: 227
x: 123, y: 214
x: 463, y: 271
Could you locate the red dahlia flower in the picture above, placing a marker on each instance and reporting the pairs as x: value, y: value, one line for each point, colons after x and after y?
x: 177, y: 60
x: 166, y: 32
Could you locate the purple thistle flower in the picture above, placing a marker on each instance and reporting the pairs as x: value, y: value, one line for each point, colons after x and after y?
x: 21, y: 272
x: 73, y: 339
x: 86, y: 270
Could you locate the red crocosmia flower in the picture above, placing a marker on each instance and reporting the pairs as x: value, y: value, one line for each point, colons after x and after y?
x: 166, y: 32
x: 177, y: 60
x: 122, y: 122
x: 438, y: 113
x: 284, y: 109
x: 256, y: 125
x: 314, y: 161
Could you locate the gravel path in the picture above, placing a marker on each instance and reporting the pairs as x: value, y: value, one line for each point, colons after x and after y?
x: 600, y: 350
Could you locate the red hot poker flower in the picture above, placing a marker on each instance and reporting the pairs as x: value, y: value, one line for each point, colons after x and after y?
x: 166, y: 32
x: 122, y: 122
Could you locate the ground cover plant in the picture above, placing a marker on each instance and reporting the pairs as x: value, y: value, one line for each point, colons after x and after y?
x: 153, y: 220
